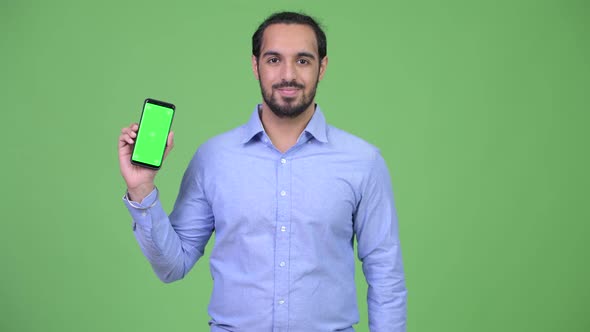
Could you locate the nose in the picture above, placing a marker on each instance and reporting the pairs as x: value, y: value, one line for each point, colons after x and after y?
x: 288, y: 71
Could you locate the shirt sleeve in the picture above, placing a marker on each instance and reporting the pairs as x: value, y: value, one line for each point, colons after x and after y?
x: 173, y: 244
x: 376, y: 229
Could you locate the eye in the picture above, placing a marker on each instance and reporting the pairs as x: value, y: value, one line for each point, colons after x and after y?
x: 303, y: 61
x: 273, y: 60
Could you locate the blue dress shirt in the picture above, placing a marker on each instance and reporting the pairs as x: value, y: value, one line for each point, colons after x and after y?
x: 284, y: 223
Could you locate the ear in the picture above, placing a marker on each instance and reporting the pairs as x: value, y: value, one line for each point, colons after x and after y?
x: 323, y: 66
x: 255, y: 67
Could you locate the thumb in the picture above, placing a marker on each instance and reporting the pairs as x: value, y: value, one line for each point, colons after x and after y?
x: 169, y: 143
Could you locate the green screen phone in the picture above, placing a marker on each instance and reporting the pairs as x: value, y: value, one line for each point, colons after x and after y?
x: 154, y: 126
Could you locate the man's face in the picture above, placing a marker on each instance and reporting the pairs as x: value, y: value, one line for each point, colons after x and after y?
x: 289, y: 68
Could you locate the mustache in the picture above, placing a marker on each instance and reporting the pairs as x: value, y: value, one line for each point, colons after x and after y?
x: 286, y: 84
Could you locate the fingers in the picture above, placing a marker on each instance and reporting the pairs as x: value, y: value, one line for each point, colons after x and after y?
x: 132, y: 127
x: 128, y: 134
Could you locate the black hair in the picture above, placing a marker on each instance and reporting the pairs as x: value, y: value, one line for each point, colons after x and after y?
x: 290, y: 18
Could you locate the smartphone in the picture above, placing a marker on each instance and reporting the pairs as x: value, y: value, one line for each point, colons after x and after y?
x: 152, y: 135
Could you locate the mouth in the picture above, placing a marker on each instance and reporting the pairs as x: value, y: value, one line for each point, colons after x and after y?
x: 288, y: 92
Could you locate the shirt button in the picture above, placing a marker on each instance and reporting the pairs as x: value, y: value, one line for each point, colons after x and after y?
x: 143, y: 214
x: 283, y: 228
x: 283, y: 161
x: 282, y: 264
x: 281, y: 302
x: 283, y: 193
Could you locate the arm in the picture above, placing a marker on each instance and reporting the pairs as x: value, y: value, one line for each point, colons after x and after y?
x: 376, y: 229
x: 173, y: 244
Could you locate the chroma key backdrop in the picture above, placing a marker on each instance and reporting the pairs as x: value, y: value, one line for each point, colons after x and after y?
x: 480, y: 109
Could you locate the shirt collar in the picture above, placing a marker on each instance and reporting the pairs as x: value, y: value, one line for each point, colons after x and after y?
x: 253, y: 127
x: 316, y: 127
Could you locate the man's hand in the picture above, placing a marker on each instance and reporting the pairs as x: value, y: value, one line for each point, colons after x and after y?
x: 140, y: 180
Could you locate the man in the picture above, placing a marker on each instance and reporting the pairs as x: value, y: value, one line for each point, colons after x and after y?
x: 285, y: 194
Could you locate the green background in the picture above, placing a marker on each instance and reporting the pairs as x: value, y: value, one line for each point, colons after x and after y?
x: 480, y: 109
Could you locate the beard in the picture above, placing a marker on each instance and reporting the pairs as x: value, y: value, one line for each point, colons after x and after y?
x: 291, y: 109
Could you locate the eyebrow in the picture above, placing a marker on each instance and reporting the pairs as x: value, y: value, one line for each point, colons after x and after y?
x: 299, y: 54
x: 306, y: 54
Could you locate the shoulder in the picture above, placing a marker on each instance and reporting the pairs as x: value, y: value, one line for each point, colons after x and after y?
x: 351, y: 145
x: 218, y: 146
x: 227, y: 140
x: 363, y: 158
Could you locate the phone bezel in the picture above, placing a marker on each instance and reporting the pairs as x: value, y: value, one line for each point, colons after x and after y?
x: 159, y: 103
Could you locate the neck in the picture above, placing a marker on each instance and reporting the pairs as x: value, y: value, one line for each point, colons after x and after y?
x: 284, y: 132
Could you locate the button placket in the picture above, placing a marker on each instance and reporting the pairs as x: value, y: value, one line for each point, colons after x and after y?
x: 282, y: 243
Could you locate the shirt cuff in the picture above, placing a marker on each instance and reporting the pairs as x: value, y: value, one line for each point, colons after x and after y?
x: 140, y: 211
x: 147, y: 202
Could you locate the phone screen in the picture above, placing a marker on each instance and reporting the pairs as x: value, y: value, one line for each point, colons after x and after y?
x: 152, y: 134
